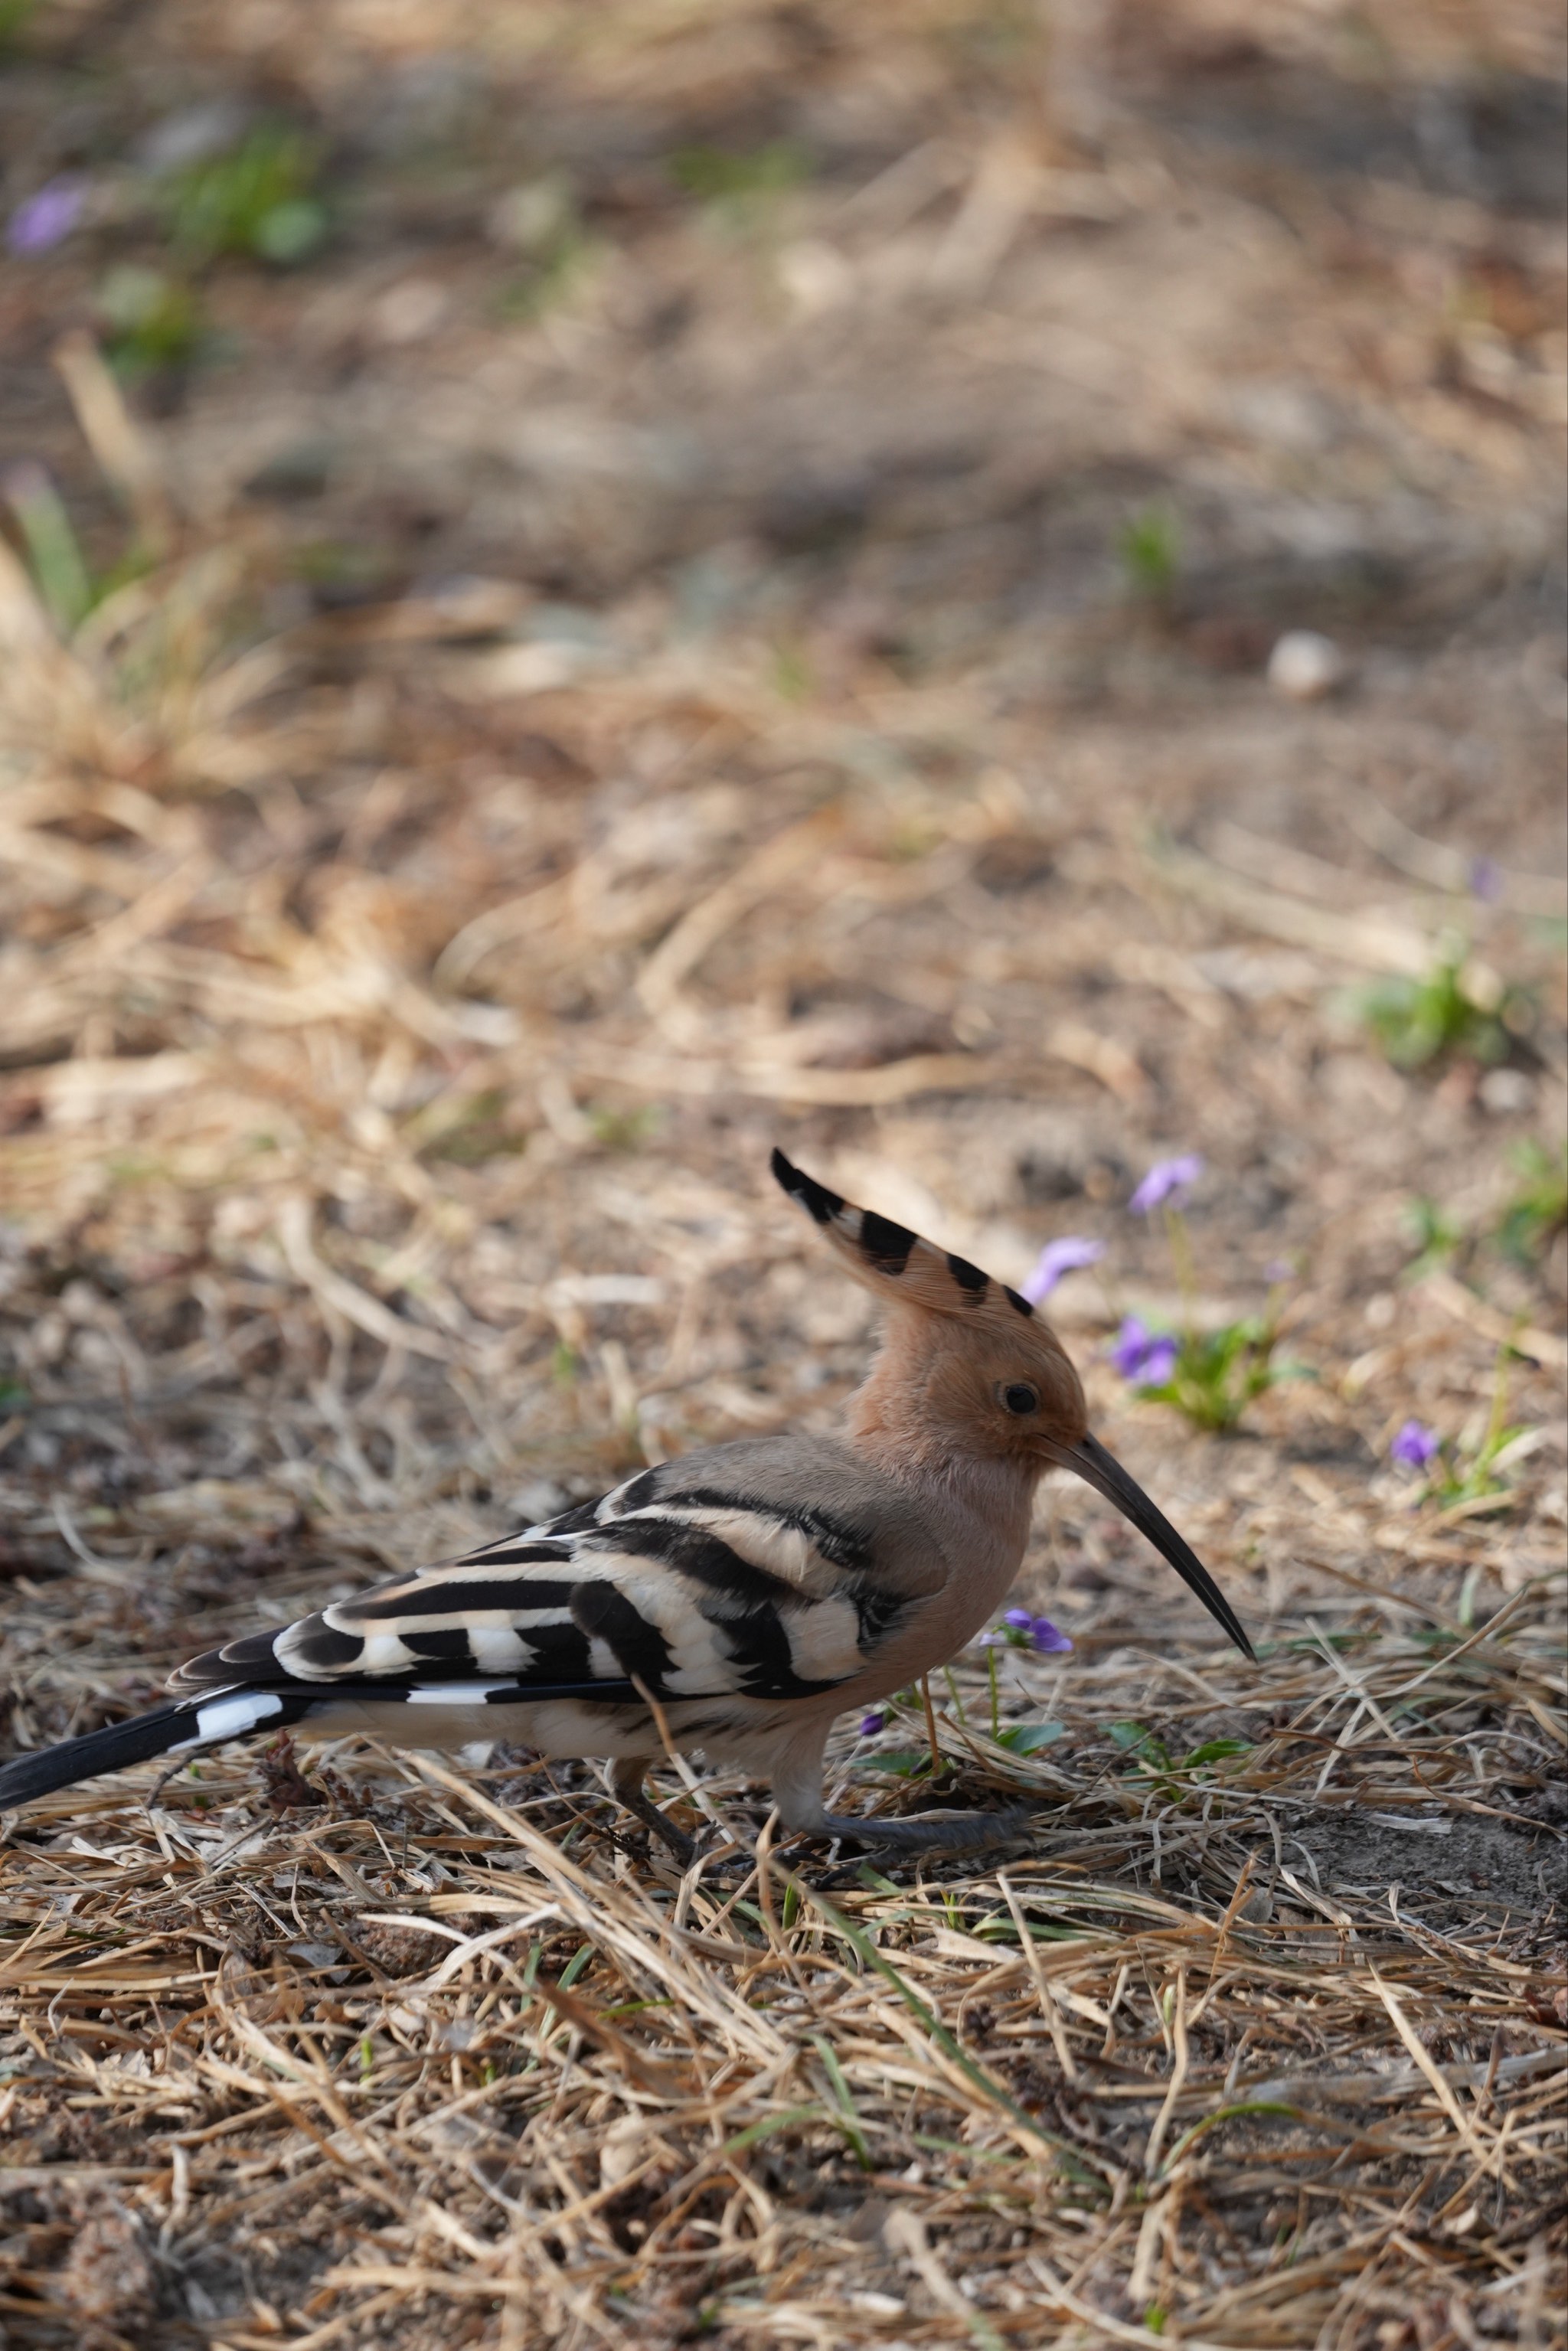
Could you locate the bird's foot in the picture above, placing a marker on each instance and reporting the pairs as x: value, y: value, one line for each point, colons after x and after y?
x: 924, y: 1832
x: 626, y: 1782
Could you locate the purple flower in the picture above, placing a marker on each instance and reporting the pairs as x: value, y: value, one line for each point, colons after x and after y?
x: 48, y: 217
x: 872, y: 1722
x: 1024, y: 1630
x: 1141, y: 1353
x: 1057, y: 1257
x: 1486, y: 878
x: 1165, y: 1180
x: 1416, y: 1445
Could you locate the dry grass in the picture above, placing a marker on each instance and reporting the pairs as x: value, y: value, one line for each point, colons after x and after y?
x: 397, y: 1004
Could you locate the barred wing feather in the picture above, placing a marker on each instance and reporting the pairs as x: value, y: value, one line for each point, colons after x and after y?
x: 695, y: 1593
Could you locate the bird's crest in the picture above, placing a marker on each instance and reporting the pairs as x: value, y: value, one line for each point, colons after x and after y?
x: 896, y: 1264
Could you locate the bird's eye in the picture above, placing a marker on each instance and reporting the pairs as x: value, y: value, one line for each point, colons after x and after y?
x: 1020, y: 1397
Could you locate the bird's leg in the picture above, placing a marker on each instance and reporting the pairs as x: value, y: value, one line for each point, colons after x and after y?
x: 626, y: 1775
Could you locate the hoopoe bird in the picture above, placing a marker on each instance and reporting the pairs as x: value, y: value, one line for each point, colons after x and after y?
x: 733, y: 1602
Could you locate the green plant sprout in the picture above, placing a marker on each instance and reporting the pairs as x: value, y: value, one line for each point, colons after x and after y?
x: 739, y: 190
x: 1210, y: 1376
x: 1216, y: 1374
x: 549, y: 278
x: 153, y: 321
x: 257, y: 200
x: 1538, y: 1210
x: 539, y: 222
x: 1149, y: 546
x: 1456, y: 1474
x: 59, y: 569
x: 1146, y: 1753
x: 623, y: 1130
x: 1433, y: 1235
x: 1453, y: 1011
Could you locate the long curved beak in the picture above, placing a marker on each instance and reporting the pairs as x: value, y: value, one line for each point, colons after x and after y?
x: 1089, y: 1460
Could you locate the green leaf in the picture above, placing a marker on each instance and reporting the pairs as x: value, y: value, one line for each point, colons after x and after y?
x: 289, y: 231
x: 1215, y: 1751
x: 1027, y: 1738
x: 1149, y: 550
x: 908, y: 1762
x: 54, y: 552
x: 850, y: 2121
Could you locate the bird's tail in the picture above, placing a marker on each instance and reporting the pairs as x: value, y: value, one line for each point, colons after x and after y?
x: 167, y: 1731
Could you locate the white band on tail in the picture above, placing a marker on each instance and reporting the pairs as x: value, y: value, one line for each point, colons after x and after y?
x: 453, y: 1693
x: 230, y: 1717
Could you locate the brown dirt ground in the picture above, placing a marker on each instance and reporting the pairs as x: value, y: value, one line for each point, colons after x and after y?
x: 628, y: 675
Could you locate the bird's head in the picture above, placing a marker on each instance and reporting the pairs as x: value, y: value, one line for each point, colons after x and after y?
x: 970, y: 1363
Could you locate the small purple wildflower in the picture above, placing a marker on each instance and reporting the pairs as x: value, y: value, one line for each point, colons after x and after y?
x: 1165, y: 1180
x: 1416, y: 1445
x: 1022, y: 1629
x: 1144, y: 1354
x: 872, y: 1722
x: 48, y: 218
x: 1485, y: 879
x: 1057, y: 1257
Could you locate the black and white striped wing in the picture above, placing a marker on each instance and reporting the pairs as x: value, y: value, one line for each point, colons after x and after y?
x: 697, y: 1594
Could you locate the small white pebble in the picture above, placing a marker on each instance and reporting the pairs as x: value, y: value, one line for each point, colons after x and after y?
x: 407, y: 312
x: 1306, y: 666
x: 1505, y: 1091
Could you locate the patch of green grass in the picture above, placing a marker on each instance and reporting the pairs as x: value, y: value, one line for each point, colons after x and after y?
x: 1538, y: 1210
x: 624, y: 1129
x: 1442, y: 1017
x: 739, y: 189
x: 257, y: 200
